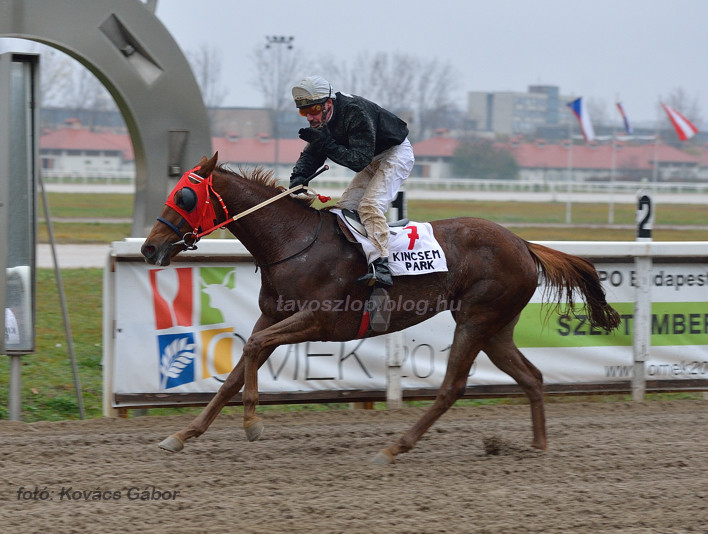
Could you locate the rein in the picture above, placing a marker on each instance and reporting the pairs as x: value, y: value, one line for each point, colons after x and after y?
x: 190, y: 239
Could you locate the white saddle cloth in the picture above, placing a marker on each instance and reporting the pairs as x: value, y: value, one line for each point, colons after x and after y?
x: 412, y: 249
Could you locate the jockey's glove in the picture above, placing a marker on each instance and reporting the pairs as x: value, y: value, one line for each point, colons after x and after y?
x: 319, y: 138
x: 297, y: 180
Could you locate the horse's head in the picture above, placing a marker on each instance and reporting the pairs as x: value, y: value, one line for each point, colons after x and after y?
x: 185, y: 210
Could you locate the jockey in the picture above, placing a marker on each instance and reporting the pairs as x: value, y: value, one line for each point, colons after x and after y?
x: 362, y: 136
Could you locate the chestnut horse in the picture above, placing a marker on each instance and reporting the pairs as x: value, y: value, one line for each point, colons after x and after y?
x: 303, y: 255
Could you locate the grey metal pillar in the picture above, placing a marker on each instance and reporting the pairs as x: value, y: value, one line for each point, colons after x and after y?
x: 19, y: 76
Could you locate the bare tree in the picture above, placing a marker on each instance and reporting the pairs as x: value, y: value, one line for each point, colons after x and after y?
x: 277, y: 68
x: 340, y: 75
x: 387, y: 79
x: 435, y: 105
x: 597, y: 108
x: 84, y: 91
x: 55, y: 76
x: 206, y: 64
x: 402, y: 83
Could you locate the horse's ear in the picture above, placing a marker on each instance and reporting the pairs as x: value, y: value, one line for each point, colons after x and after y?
x: 206, y: 167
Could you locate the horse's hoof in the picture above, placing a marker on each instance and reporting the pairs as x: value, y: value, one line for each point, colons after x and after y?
x: 384, y: 458
x: 172, y: 444
x: 254, y: 430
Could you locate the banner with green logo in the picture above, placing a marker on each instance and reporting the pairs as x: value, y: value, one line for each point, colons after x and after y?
x: 182, y: 329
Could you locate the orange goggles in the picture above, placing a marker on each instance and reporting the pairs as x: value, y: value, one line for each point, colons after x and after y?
x: 310, y: 110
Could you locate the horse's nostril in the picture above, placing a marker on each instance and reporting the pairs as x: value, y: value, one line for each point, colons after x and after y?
x: 148, y: 251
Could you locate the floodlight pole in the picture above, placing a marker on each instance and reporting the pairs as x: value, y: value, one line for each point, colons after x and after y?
x: 287, y: 41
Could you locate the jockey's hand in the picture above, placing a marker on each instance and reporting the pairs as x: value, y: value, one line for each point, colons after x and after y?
x: 297, y: 180
x: 319, y: 138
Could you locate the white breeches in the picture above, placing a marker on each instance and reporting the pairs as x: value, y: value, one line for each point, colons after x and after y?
x: 373, y: 188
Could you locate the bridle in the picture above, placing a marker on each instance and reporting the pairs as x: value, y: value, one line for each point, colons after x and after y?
x: 188, y: 202
x: 190, y: 239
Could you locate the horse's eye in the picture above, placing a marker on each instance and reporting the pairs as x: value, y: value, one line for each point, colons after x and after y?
x: 186, y: 199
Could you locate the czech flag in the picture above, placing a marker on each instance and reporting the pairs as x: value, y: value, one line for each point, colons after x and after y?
x: 684, y: 128
x: 625, y: 119
x: 581, y: 112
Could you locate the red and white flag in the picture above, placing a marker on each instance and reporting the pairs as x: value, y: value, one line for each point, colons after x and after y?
x: 684, y: 128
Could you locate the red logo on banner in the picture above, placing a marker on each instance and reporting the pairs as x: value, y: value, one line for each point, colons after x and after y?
x: 172, y: 297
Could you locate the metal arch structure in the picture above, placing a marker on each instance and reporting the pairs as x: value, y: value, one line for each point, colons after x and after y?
x: 129, y: 50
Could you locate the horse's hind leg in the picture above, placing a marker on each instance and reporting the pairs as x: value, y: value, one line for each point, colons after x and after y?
x: 465, y: 347
x: 502, y: 351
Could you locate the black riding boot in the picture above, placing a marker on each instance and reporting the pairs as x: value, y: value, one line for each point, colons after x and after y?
x: 378, y: 274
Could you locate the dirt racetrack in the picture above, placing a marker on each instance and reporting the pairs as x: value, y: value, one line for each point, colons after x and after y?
x: 610, y: 467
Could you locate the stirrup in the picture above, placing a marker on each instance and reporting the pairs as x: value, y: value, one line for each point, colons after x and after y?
x: 379, y: 274
x: 369, y: 279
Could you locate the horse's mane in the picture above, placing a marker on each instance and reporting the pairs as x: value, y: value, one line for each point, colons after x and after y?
x: 262, y: 176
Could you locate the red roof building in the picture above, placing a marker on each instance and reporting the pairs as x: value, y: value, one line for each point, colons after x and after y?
x: 77, y: 151
x: 250, y: 153
x: 543, y: 161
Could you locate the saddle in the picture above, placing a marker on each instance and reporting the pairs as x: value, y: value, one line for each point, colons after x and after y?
x: 403, y: 257
x: 352, y: 217
x: 412, y: 247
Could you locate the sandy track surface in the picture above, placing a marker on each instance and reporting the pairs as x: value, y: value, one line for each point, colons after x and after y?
x: 610, y: 467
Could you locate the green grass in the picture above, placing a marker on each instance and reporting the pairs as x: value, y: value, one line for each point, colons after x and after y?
x: 47, y: 383
x: 554, y: 212
x: 84, y: 233
x: 103, y: 205
x: 120, y: 206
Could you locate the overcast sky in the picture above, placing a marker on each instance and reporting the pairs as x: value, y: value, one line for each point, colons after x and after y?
x: 634, y: 50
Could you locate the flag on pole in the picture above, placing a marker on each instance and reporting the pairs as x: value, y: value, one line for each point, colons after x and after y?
x: 627, y: 126
x: 581, y: 112
x: 684, y: 128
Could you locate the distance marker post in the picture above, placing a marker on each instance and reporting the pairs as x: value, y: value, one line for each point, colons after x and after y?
x: 642, y: 302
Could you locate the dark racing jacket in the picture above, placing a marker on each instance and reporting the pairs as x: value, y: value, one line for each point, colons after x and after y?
x: 360, y: 130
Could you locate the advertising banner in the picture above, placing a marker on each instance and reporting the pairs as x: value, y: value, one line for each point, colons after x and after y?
x: 182, y: 329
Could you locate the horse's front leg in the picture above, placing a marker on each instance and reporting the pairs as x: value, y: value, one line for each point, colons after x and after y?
x: 231, y: 386
x: 297, y: 328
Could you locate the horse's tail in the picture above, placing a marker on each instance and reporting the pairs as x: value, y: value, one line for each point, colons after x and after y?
x: 563, y: 273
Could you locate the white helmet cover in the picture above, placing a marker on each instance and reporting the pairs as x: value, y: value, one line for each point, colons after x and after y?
x: 312, y: 90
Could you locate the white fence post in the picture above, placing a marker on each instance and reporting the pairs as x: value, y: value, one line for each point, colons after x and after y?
x: 642, y: 302
x: 394, y: 360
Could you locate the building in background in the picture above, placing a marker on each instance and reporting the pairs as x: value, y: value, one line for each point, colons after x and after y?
x: 514, y: 113
x: 74, y: 150
x: 548, y: 162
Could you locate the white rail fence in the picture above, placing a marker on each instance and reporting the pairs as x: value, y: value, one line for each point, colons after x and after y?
x: 423, y: 184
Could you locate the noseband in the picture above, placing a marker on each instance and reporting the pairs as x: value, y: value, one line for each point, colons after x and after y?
x: 176, y: 229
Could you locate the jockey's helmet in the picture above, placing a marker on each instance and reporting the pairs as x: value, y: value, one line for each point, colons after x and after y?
x: 312, y: 90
